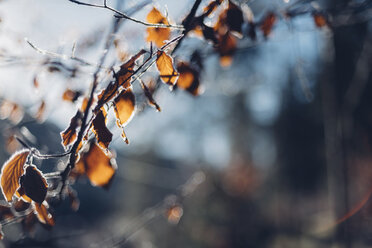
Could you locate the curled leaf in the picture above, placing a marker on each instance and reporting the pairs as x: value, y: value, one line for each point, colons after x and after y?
x: 164, y: 63
x: 103, y: 135
x: 126, y: 70
x: 157, y: 35
x: 69, y: 135
x: 11, y: 171
x: 124, y: 106
x: 34, y: 184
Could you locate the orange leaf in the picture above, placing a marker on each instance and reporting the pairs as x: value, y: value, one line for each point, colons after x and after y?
x: 268, y: 23
x: 41, y: 211
x: 211, y: 7
x: 126, y: 70
x: 188, y: 79
x: 108, y: 93
x: 69, y: 135
x: 164, y: 63
x: 157, y: 35
x: 124, y: 106
x: 11, y: 172
x: 34, y: 184
x: 99, y: 167
x: 103, y: 135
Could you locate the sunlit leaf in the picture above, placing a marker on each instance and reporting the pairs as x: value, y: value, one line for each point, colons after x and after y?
x: 168, y: 73
x: 157, y: 35
x: 107, y: 94
x: 34, y: 184
x: 211, y: 7
x: 11, y: 171
x: 98, y: 166
x: 103, y: 135
x: 69, y: 135
x: 126, y: 70
x: 188, y: 79
x: 267, y: 24
x: 124, y: 106
x: 41, y: 211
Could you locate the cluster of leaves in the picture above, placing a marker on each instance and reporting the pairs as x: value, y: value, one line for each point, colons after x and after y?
x: 87, y: 138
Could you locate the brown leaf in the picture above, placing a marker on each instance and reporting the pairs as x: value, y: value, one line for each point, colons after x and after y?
x: 34, y: 184
x: 98, y: 166
x: 5, y: 212
x: 40, y: 111
x: 149, y: 96
x: 164, y: 63
x: 108, y: 93
x: 11, y: 172
x: 20, y: 205
x: 103, y: 135
x: 267, y: 24
x: 157, y: 35
x: 126, y: 70
x: 41, y: 211
x: 12, y: 145
x: 211, y: 7
x: 124, y: 106
x: 35, y: 82
x: 69, y: 135
x: 234, y: 17
x: 188, y: 79
x: 70, y: 95
x: 319, y: 20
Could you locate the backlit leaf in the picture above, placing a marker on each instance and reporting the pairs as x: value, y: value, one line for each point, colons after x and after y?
x: 69, y: 135
x: 11, y: 171
x: 226, y: 48
x: 211, y: 7
x: 99, y: 167
x: 188, y: 79
x: 164, y: 63
x: 124, y: 106
x: 126, y: 70
x: 70, y: 95
x: 34, y: 184
x: 157, y: 35
x: 103, y: 135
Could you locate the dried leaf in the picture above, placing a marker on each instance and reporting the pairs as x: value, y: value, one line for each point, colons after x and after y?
x: 108, y: 93
x: 211, y: 7
x: 234, y: 17
x: 5, y: 212
x: 34, y: 184
x: 124, y: 106
x: 35, y: 82
x: 11, y: 172
x: 20, y: 205
x: 103, y: 135
x: 319, y: 20
x: 267, y: 24
x: 12, y: 145
x: 164, y: 63
x: 41, y: 211
x: 69, y: 135
x: 188, y: 79
x: 149, y: 97
x: 126, y: 70
x: 98, y: 166
x: 157, y: 35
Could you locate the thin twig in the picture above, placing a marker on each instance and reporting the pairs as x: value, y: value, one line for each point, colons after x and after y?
x: 119, y: 14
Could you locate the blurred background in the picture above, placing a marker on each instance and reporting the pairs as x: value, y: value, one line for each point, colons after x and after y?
x: 274, y: 152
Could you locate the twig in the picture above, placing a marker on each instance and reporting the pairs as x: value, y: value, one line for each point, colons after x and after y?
x: 125, y: 16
